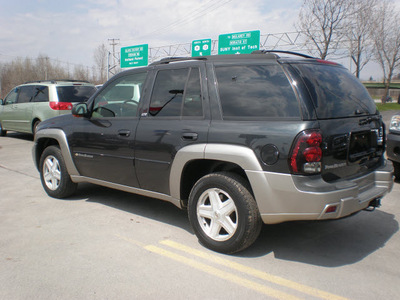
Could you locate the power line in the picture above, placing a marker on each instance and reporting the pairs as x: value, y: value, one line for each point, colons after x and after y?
x: 191, y: 16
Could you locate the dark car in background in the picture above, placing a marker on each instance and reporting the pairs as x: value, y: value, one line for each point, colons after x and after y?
x: 393, y: 144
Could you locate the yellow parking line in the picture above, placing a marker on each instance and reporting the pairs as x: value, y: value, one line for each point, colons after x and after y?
x: 253, y: 272
x: 221, y: 274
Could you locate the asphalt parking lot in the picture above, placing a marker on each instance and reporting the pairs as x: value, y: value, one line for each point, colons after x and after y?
x: 107, y: 244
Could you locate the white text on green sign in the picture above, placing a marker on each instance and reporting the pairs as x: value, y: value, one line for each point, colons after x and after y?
x: 134, y: 56
x: 239, y: 43
x: 201, y: 47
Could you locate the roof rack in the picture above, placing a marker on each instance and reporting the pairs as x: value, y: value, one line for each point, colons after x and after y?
x: 55, y: 81
x: 167, y: 60
x: 283, y: 52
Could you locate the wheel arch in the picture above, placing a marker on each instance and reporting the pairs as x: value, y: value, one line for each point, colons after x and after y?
x: 195, y: 161
x: 48, y: 137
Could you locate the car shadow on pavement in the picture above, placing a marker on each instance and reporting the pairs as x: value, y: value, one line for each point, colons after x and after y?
x: 151, y: 208
x: 331, y: 243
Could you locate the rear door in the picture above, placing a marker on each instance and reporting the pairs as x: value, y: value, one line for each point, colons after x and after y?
x: 177, y: 115
x: 351, y: 126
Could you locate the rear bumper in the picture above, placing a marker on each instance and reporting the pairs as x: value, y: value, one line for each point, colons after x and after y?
x: 285, y: 197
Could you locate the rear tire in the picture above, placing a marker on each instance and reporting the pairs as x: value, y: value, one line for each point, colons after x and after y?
x: 54, y: 175
x: 223, y: 213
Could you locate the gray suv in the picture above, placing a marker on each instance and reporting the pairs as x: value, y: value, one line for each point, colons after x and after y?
x: 30, y: 103
x: 236, y: 140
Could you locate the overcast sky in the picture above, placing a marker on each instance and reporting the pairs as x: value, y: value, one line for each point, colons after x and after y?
x: 70, y: 31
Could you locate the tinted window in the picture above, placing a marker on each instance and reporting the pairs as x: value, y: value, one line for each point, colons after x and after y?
x: 192, y: 104
x: 335, y: 92
x: 256, y: 92
x: 76, y: 93
x: 120, y: 98
x: 41, y: 94
x: 177, y: 93
x: 166, y: 99
x: 25, y: 94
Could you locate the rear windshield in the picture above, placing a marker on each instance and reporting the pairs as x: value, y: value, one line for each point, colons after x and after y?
x: 335, y: 92
x: 78, y: 93
x: 256, y: 91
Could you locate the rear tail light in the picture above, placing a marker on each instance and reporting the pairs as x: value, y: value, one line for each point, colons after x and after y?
x: 61, y: 105
x: 306, y: 154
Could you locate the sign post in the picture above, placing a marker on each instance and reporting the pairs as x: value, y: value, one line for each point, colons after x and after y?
x: 201, y: 47
x: 135, y: 56
x: 239, y: 43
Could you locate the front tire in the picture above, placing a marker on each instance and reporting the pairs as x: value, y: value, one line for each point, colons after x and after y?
x: 2, y: 131
x: 54, y: 175
x: 223, y: 213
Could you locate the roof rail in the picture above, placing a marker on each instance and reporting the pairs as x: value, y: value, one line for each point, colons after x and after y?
x: 56, y: 80
x: 283, y: 52
x: 167, y: 60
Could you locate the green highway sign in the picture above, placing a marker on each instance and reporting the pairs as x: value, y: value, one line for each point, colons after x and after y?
x: 239, y: 43
x: 134, y: 56
x: 201, y: 47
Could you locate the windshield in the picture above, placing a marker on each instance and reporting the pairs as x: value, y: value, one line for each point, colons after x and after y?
x: 76, y: 93
x: 335, y: 92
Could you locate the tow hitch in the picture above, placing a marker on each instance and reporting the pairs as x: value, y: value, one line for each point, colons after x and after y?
x: 373, y: 204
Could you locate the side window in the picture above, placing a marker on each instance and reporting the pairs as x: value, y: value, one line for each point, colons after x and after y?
x: 41, y: 93
x: 12, y: 97
x: 120, y: 98
x: 253, y: 91
x: 25, y: 94
x: 192, y: 104
x: 177, y: 93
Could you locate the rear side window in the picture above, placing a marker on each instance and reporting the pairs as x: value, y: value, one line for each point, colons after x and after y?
x: 256, y: 91
x: 41, y: 93
x: 335, y: 92
x: 177, y: 93
x: 76, y: 93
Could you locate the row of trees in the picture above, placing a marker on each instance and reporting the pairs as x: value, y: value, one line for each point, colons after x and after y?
x: 367, y: 29
x: 43, y: 68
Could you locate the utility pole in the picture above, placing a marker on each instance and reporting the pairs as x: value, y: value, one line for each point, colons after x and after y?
x: 115, y: 59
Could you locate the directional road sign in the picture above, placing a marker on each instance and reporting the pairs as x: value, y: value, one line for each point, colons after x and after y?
x: 201, y: 47
x: 134, y: 56
x: 239, y: 43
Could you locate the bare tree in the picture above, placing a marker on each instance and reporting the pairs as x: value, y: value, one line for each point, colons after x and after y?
x: 322, y: 22
x: 358, y: 30
x: 386, y: 37
x: 100, y: 59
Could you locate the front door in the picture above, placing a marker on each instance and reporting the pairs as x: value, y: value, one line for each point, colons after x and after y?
x: 103, y: 145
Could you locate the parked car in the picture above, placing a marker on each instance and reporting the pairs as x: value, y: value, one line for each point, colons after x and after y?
x: 28, y: 104
x: 237, y: 140
x: 393, y: 144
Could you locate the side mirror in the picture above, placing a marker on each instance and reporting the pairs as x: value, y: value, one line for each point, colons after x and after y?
x: 80, y: 110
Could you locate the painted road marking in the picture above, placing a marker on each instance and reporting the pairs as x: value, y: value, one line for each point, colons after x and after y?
x: 253, y: 272
x: 271, y: 292
x: 221, y: 274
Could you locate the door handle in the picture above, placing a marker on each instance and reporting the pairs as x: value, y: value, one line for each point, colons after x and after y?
x: 124, y: 132
x: 190, y: 136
